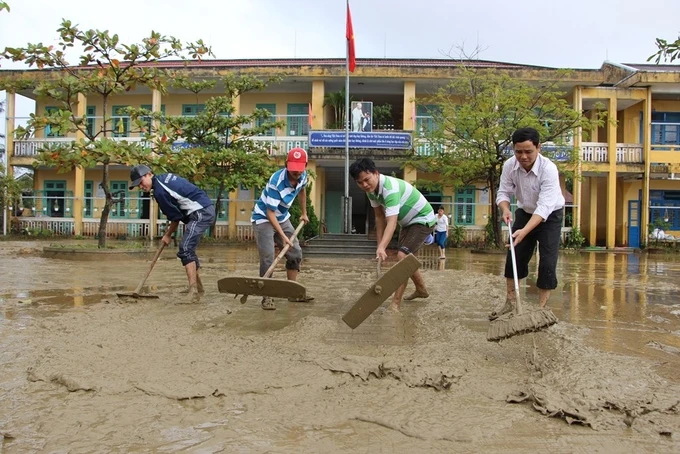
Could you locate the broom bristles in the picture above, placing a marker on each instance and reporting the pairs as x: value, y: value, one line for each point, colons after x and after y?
x: 514, y: 324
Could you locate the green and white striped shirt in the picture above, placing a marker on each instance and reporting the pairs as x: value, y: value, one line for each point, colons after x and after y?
x: 403, y: 200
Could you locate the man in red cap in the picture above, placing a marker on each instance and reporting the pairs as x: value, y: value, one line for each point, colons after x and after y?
x: 271, y: 218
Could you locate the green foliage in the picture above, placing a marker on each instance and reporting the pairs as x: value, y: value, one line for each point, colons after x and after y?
x: 4, y: 5
x: 659, y: 223
x: 106, y: 67
x: 474, y: 119
x: 382, y: 115
x: 456, y: 236
x: 336, y: 99
x: 490, y: 234
x: 10, y: 191
x: 39, y: 232
x: 311, y: 229
x: 219, y: 151
x: 666, y: 51
x: 574, y: 239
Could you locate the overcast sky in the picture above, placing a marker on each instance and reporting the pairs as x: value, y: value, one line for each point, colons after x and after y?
x: 556, y: 33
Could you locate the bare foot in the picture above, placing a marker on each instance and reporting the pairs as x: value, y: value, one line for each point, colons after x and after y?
x: 395, y: 307
x: 417, y: 294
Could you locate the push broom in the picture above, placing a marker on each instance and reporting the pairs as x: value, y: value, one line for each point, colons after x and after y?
x: 519, y: 322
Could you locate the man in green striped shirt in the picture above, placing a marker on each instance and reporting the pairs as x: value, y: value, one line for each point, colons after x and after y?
x: 396, y: 202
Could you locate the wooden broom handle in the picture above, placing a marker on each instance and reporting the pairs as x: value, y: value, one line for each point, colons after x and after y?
x: 270, y: 271
x: 153, y: 262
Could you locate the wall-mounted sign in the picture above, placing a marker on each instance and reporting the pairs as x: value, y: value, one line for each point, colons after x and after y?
x: 384, y: 140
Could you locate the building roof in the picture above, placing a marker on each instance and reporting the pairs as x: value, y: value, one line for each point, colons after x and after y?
x: 331, y: 62
x: 652, y: 67
x: 387, y: 62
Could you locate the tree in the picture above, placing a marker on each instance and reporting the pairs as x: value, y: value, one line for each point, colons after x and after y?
x: 382, y: 116
x: 10, y: 188
x: 311, y: 229
x: 474, y: 118
x: 336, y: 99
x: 666, y: 51
x: 218, y: 150
x: 106, y: 68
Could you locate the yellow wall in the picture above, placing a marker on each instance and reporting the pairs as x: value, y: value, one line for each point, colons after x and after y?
x: 629, y: 124
x: 665, y: 106
x: 599, y: 186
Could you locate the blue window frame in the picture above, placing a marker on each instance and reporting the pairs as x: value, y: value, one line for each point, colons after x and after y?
x: 191, y: 110
x: 148, y: 119
x: 670, y: 213
x: 271, y: 108
x: 91, y: 112
x: 298, y: 117
x: 120, y: 122
x: 48, y: 129
x: 666, y: 128
x: 119, y: 189
x: 465, y: 206
x: 425, y: 114
x: 89, y: 194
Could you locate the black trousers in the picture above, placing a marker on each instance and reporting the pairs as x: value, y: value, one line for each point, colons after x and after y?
x: 547, y: 234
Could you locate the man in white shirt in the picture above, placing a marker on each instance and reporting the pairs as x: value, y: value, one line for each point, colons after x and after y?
x: 357, y: 117
x: 534, y: 181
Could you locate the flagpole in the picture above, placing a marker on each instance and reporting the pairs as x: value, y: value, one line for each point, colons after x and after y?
x: 348, y: 216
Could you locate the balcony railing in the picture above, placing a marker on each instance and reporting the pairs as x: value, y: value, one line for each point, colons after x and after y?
x: 626, y: 153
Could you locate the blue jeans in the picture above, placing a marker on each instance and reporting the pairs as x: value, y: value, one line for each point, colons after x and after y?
x: 198, y: 222
x: 440, y: 239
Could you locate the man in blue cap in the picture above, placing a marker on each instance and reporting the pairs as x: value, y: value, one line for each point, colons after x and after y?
x: 182, y: 201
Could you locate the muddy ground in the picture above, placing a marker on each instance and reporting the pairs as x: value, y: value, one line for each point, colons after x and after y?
x: 84, y: 371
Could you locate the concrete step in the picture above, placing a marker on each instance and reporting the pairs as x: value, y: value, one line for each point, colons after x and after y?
x: 347, y: 244
x: 338, y: 252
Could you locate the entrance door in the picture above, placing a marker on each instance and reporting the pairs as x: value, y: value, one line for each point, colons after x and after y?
x: 334, y: 211
x: 634, y: 223
x: 54, y: 202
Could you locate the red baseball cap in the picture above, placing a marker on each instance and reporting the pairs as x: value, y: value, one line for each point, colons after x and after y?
x: 297, y: 160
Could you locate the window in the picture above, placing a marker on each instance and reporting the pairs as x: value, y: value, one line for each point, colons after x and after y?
x: 298, y: 116
x: 120, y: 122
x: 271, y: 108
x: 91, y: 112
x: 425, y: 118
x: 49, y: 129
x: 54, y: 202
x: 119, y: 192
x: 464, y: 206
x: 221, y: 210
x: 89, y: 194
x: 669, y: 201
x: 666, y: 128
x: 191, y: 110
x: 148, y: 119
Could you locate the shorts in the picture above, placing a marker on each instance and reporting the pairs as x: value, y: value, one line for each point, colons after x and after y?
x: 412, y: 237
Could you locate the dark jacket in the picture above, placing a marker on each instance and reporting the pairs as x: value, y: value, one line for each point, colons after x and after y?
x: 177, y: 197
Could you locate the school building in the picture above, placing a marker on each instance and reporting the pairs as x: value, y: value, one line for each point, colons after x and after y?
x: 627, y: 175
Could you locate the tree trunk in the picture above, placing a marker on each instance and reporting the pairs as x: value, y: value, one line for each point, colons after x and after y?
x: 495, y: 218
x: 104, y: 219
x: 217, y: 209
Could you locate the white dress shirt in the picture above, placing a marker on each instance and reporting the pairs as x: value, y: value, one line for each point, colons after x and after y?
x: 537, y: 191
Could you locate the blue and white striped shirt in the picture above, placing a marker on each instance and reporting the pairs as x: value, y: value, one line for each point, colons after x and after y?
x: 277, y: 196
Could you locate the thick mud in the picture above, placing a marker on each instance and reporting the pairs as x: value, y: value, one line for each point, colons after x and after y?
x: 86, y: 371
